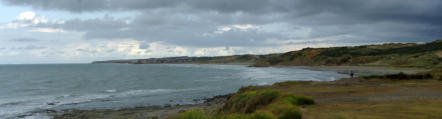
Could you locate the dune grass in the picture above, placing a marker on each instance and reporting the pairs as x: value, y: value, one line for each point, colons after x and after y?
x: 404, y: 96
x: 256, y: 104
x: 433, y: 74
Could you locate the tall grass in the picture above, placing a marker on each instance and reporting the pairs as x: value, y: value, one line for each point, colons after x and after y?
x: 192, y: 114
x: 256, y: 104
x: 402, y: 76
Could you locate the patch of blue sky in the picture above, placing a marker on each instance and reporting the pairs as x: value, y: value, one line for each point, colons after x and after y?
x: 10, y: 13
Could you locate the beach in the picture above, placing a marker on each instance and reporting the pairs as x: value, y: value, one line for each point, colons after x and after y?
x: 347, y: 91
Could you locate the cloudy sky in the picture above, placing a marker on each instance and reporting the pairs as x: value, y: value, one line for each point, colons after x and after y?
x: 80, y: 31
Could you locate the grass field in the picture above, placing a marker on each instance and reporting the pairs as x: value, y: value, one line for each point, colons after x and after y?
x: 357, y: 98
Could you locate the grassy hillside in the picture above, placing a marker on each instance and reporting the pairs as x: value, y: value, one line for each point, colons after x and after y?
x: 405, y: 96
x: 235, y: 59
x: 426, y: 55
x: 393, y: 54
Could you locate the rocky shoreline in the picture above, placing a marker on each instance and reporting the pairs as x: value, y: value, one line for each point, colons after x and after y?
x: 149, y: 112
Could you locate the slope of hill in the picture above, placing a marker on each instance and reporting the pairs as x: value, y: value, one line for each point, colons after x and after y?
x: 426, y: 55
x: 235, y: 59
x: 393, y: 54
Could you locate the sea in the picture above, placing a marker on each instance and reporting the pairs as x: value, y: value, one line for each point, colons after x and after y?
x: 28, y: 91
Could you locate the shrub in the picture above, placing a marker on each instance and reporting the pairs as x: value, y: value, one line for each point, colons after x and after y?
x: 257, y: 104
x: 372, y: 77
x: 274, y: 61
x: 256, y: 115
x: 396, y: 76
x: 286, y: 111
x: 401, y: 76
x: 298, y: 99
x: 262, y: 115
x: 249, y: 101
x: 192, y: 114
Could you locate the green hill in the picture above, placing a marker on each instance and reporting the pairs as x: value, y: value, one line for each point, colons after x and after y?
x: 426, y: 55
x: 393, y: 54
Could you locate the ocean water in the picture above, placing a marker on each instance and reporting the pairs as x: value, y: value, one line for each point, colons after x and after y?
x: 26, y: 91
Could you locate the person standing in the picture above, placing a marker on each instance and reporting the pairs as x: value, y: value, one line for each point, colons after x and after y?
x: 351, y: 74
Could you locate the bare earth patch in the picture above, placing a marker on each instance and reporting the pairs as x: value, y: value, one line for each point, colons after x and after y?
x: 439, y: 54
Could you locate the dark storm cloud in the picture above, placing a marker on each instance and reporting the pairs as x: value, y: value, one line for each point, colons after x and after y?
x: 193, y: 22
x: 379, y: 8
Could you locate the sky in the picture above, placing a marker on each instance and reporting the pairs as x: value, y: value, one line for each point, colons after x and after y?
x: 81, y: 31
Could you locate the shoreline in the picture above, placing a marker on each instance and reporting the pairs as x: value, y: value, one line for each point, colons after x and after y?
x: 149, y: 112
x: 162, y: 112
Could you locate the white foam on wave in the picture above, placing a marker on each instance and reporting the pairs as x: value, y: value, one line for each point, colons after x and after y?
x: 111, y: 91
x: 72, y: 99
x: 267, y: 76
x: 130, y: 93
x: 12, y: 108
x: 214, y: 66
x: 38, y: 116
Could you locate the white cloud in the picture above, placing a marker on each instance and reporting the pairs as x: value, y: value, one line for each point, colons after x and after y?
x: 223, y: 29
x: 28, y: 19
x: 245, y: 27
x: 237, y: 27
x: 47, y: 30
x: 26, y: 16
x: 31, y: 17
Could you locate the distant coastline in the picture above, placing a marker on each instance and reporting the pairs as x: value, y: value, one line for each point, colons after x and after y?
x: 427, y: 55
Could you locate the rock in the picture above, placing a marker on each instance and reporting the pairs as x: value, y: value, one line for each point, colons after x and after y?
x: 167, y: 105
x: 51, y: 111
x: 154, y: 117
x: 181, y: 111
x: 196, y: 100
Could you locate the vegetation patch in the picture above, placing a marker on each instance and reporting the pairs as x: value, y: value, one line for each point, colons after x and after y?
x: 249, y: 101
x: 192, y: 114
x: 392, y: 54
x: 401, y: 76
x: 256, y: 104
x: 433, y: 74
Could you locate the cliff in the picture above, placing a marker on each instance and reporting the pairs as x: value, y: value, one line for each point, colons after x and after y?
x: 425, y: 55
x: 235, y: 59
x: 392, y: 54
